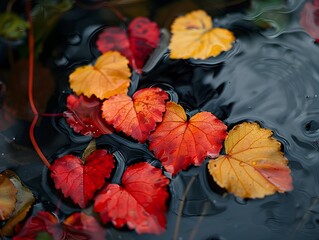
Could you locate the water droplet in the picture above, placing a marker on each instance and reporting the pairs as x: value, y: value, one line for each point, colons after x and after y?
x: 2, y: 154
x: 254, y: 163
x: 74, y: 39
x: 63, y: 61
x: 241, y: 201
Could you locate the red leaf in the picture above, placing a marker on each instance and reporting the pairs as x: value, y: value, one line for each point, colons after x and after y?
x: 310, y: 19
x: 136, y: 44
x: 80, y: 181
x: 136, y: 116
x: 78, y: 226
x: 42, y: 222
x: 140, y: 202
x: 179, y: 142
x: 84, y: 116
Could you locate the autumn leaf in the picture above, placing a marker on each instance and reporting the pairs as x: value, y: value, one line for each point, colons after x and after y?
x: 136, y: 116
x: 253, y: 165
x: 193, y: 36
x: 137, y: 43
x: 77, y: 226
x: 84, y: 115
x: 139, y: 202
x: 7, y: 197
x: 109, y: 76
x: 23, y: 204
x: 178, y: 142
x: 309, y: 19
x: 80, y: 179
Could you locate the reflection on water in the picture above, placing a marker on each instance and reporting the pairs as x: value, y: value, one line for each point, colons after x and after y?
x: 269, y: 78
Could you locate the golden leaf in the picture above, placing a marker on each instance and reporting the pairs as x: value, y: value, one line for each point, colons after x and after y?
x: 195, y: 37
x: 254, y: 165
x: 7, y: 197
x: 109, y: 76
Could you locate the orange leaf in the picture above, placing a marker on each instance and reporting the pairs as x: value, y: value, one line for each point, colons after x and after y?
x: 179, y: 142
x: 7, y: 197
x: 195, y: 37
x: 254, y: 165
x: 109, y: 76
x: 136, y: 116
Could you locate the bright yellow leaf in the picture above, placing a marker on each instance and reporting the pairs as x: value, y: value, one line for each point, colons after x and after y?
x: 195, y: 37
x: 253, y: 165
x: 109, y: 76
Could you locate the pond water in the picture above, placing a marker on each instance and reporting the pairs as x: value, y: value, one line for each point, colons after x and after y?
x: 270, y: 76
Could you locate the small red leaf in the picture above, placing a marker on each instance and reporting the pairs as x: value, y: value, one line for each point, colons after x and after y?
x: 84, y: 116
x: 42, y: 222
x: 136, y: 44
x: 179, y: 142
x: 136, y: 116
x: 140, y: 202
x: 310, y: 19
x: 80, y: 181
x: 77, y: 226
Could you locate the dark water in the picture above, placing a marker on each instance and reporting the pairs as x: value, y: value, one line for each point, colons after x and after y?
x: 271, y: 77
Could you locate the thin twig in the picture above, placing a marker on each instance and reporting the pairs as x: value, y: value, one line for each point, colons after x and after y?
x: 181, y: 207
x: 30, y: 87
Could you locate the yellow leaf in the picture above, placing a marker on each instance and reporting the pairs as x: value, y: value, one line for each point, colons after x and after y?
x: 7, y: 197
x: 109, y: 76
x: 254, y: 165
x: 195, y: 37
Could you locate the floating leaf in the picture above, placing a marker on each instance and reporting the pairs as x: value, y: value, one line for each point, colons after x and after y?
x: 136, y: 116
x: 136, y: 44
x: 195, y: 37
x: 109, y: 76
x: 254, y: 165
x: 7, y: 197
x: 84, y: 116
x: 178, y: 142
x: 80, y: 179
x: 76, y: 226
x: 23, y: 204
x: 310, y: 19
x: 139, y: 202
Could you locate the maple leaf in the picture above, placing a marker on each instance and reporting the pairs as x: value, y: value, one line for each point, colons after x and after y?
x: 7, y: 197
x: 140, y: 202
x: 309, y: 19
x: 178, y: 142
x: 77, y: 226
x: 193, y: 36
x: 109, y: 76
x: 136, y: 44
x: 84, y: 116
x: 136, y: 116
x: 80, y: 180
x: 254, y: 165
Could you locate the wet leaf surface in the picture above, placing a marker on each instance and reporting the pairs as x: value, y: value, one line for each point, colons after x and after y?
x: 7, y: 197
x: 253, y: 166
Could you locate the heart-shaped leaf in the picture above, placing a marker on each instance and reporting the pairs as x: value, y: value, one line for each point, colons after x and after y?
x: 136, y: 44
x: 193, y: 36
x: 136, y: 116
x: 84, y: 116
x: 109, y: 76
x: 178, y: 142
x: 254, y: 165
x: 80, y: 180
x: 140, y: 202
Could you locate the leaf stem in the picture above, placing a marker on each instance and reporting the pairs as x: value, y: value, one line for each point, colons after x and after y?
x: 30, y: 87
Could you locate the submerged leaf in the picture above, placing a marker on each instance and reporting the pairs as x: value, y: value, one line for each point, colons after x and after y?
x: 79, y: 180
x: 84, y: 116
x: 195, y: 37
x: 309, y: 19
x: 139, y: 202
x: 136, y: 44
x: 254, y: 165
x: 109, y: 76
x: 7, y: 197
x: 12, y: 27
x: 178, y: 142
x: 136, y: 116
